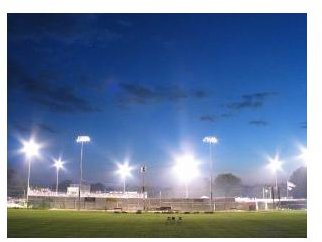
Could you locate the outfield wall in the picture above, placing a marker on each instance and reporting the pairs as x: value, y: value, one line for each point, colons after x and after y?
x: 153, y: 204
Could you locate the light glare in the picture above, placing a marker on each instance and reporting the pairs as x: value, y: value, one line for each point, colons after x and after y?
x: 275, y: 164
x: 210, y: 140
x: 83, y: 139
x: 303, y: 154
x: 30, y: 148
x: 59, y: 164
x: 186, y: 168
x: 124, y: 170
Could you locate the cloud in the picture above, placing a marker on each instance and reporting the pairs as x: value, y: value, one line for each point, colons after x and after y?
x: 140, y: 94
x: 254, y: 100
x: 83, y: 30
x: 214, y: 118
x: 47, y: 93
x: 208, y: 118
x: 226, y: 115
x: 200, y: 94
x: 303, y: 125
x: 138, y: 91
x: 258, y: 123
x: 124, y: 22
x: 28, y: 127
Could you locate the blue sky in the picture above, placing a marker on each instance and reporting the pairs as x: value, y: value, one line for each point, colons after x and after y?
x: 147, y: 86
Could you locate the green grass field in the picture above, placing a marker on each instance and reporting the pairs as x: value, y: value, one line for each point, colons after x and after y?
x: 47, y: 224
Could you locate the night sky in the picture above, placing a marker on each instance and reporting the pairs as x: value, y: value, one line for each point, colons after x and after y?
x: 146, y: 87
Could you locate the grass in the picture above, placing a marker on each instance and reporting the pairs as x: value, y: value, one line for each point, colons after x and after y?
x: 89, y: 224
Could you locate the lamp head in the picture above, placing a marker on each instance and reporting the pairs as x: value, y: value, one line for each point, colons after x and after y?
x: 275, y: 164
x: 59, y: 164
x: 186, y: 168
x: 30, y: 148
x: 210, y: 140
x: 83, y: 139
x: 124, y: 170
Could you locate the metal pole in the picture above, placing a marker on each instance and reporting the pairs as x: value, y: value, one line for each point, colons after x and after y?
x: 124, y: 186
x: 286, y: 190
x: 28, y: 187
x: 288, y: 178
x: 81, y: 177
x: 276, y: 180
x: 273, y: 196
x: 143, y: 191
x: 279, y: 197
x: 211, y: 195
x: 57, y: 182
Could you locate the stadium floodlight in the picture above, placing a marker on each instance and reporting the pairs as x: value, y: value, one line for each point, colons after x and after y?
x: 124, y: 170
x: 211, y: 140
x: 59, y: 164
x: 186, y: 169
x: 275, y: 165
x: 143, y: 170
x: 82, y: 140
x: 30, y: 149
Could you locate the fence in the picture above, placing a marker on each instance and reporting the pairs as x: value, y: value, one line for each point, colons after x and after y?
x: 154, y: 204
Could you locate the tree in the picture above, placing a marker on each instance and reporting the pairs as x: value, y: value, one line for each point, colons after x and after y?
x: 299, y: 178
x: 96, y: 187
x: 15, y: 183
x: 62, y: 186
x: 227, y: 185
x: 11, y: 176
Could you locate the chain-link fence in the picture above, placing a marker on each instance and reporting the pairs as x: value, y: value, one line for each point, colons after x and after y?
x: 160, y: 205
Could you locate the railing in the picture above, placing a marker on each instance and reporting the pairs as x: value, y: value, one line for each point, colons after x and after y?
x: 49, y: 193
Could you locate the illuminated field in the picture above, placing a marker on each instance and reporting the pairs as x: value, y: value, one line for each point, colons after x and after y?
x: 44, y: 223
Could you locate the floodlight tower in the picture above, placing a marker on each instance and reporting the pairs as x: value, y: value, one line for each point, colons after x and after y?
x: 143, y: 171
x: 186, y: 169
x: 30, y: 149
x: 275, y: 165
x: 211, y: 140
x: 124, y: 170
x: 82, y: 140
x: 59, y: 164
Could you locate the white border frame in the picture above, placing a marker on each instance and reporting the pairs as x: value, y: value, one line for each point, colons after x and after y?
x: 314, y: 53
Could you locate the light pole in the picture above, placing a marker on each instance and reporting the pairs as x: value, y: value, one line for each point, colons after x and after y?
x: 211, y: 140
x: 143, y: 171
x: 186, y: 169
x: 30, y: 149
x: 82, y: 140
x: 124, y: 170
x: 275, y: 165
x: 59, y: 165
